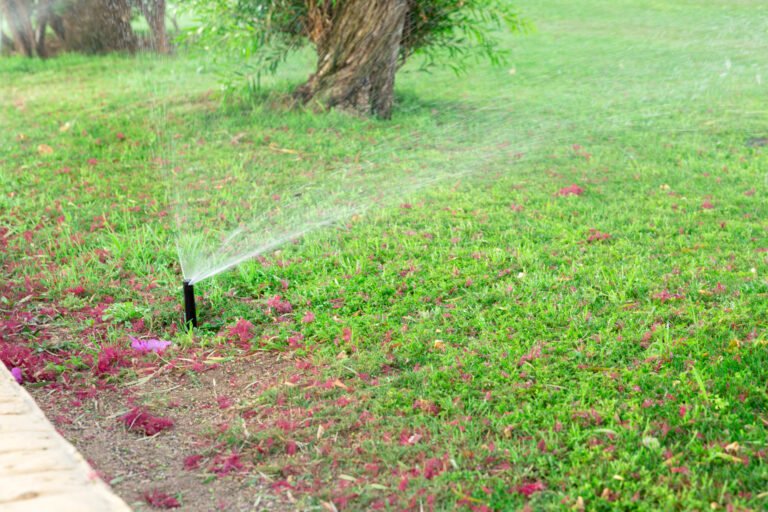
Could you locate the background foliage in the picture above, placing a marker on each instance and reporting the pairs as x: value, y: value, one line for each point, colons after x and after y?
x: 265, y: 32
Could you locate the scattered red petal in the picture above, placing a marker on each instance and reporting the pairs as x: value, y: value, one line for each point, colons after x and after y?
x: 140, y: 420
x: 111, y: 359
x: 225, y: 402
x: 571, y: 190
x: 159, y: 499
x: 77, y: 290
x: 279, y: 306
x: 530, y: 488
x: 242, y: 330
x: 192, y: 462
x: 224, y: 465
x: 597, y: 236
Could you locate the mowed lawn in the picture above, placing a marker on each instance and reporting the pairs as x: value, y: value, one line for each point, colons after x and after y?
x: 576, y: 321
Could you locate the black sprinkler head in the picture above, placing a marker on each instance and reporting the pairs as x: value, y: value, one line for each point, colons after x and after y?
x: 190, y: 312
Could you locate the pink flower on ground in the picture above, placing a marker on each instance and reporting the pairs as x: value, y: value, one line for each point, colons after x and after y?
x: 665, y: 296
x: 192, y: 462
x: 153, y: 345
x: 407, y: 439
x: 242, y: 330
x: 533, y: 354
x: 79, y: 291
x: 140, y: 420
x: 596, y: 236
x: 570, y: 190
x: 280, y: 306
x: 433, y: 467
x: 223, y: 465
x: 530, y: 488
x: 159, y: 499
x: 16, y: 372
x: 225, y: 402
x: 308, y: 318
x: 110, y: 359
x: 295, y: 341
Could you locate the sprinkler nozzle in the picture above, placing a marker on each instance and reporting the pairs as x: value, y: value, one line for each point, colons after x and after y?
x: 190, y: 312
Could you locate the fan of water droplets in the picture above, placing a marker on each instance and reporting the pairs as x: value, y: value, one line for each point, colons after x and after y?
x: 246, y: 179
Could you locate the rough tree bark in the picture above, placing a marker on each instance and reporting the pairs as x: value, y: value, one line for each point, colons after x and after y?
x: 99, y: 26
x: 357, y: 58
x: 17, y: 16
x: 154, y: 12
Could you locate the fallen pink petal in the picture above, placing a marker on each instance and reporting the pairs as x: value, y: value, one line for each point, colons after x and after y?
x: 141, y: 420
x: 530, y: 488
x: 151, y: 345
x: 570, y: 190
x: 160, y: 499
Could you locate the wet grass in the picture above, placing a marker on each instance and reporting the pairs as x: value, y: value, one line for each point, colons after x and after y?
x: 492, y: 342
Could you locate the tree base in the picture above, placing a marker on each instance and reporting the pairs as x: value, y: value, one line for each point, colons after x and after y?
x: 357, y: 60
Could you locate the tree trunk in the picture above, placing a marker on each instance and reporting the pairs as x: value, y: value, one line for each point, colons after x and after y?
x: 98, y: 26
x: 154, y: 12
x: 17, y: 16
x: 5, y: 41
x: 357, y: 59
x: 43, y: 15
x: 57, y: 24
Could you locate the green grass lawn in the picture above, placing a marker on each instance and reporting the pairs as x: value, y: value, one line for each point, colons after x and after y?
x: 491, y: 341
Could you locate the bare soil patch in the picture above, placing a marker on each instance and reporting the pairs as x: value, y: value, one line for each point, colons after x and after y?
x: 201, y: 404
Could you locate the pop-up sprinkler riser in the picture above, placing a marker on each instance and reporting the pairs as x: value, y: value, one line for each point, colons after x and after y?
x: 190, y: 312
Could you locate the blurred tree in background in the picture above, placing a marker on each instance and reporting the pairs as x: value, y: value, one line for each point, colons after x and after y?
x: 360, y: 44
x: 87, y: 26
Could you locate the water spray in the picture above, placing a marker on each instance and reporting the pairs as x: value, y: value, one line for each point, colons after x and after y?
x: 190, y: 312
x: 247, y: 210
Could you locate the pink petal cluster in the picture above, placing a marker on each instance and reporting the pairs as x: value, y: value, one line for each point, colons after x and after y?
x: 242, y: 330
x: 280, y: 306
x: 570, y: 190
x: 530, y: 488
x: 140, y: 420
x: 145, y: 346
x: 160, y: 499
x: 597, y: 236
